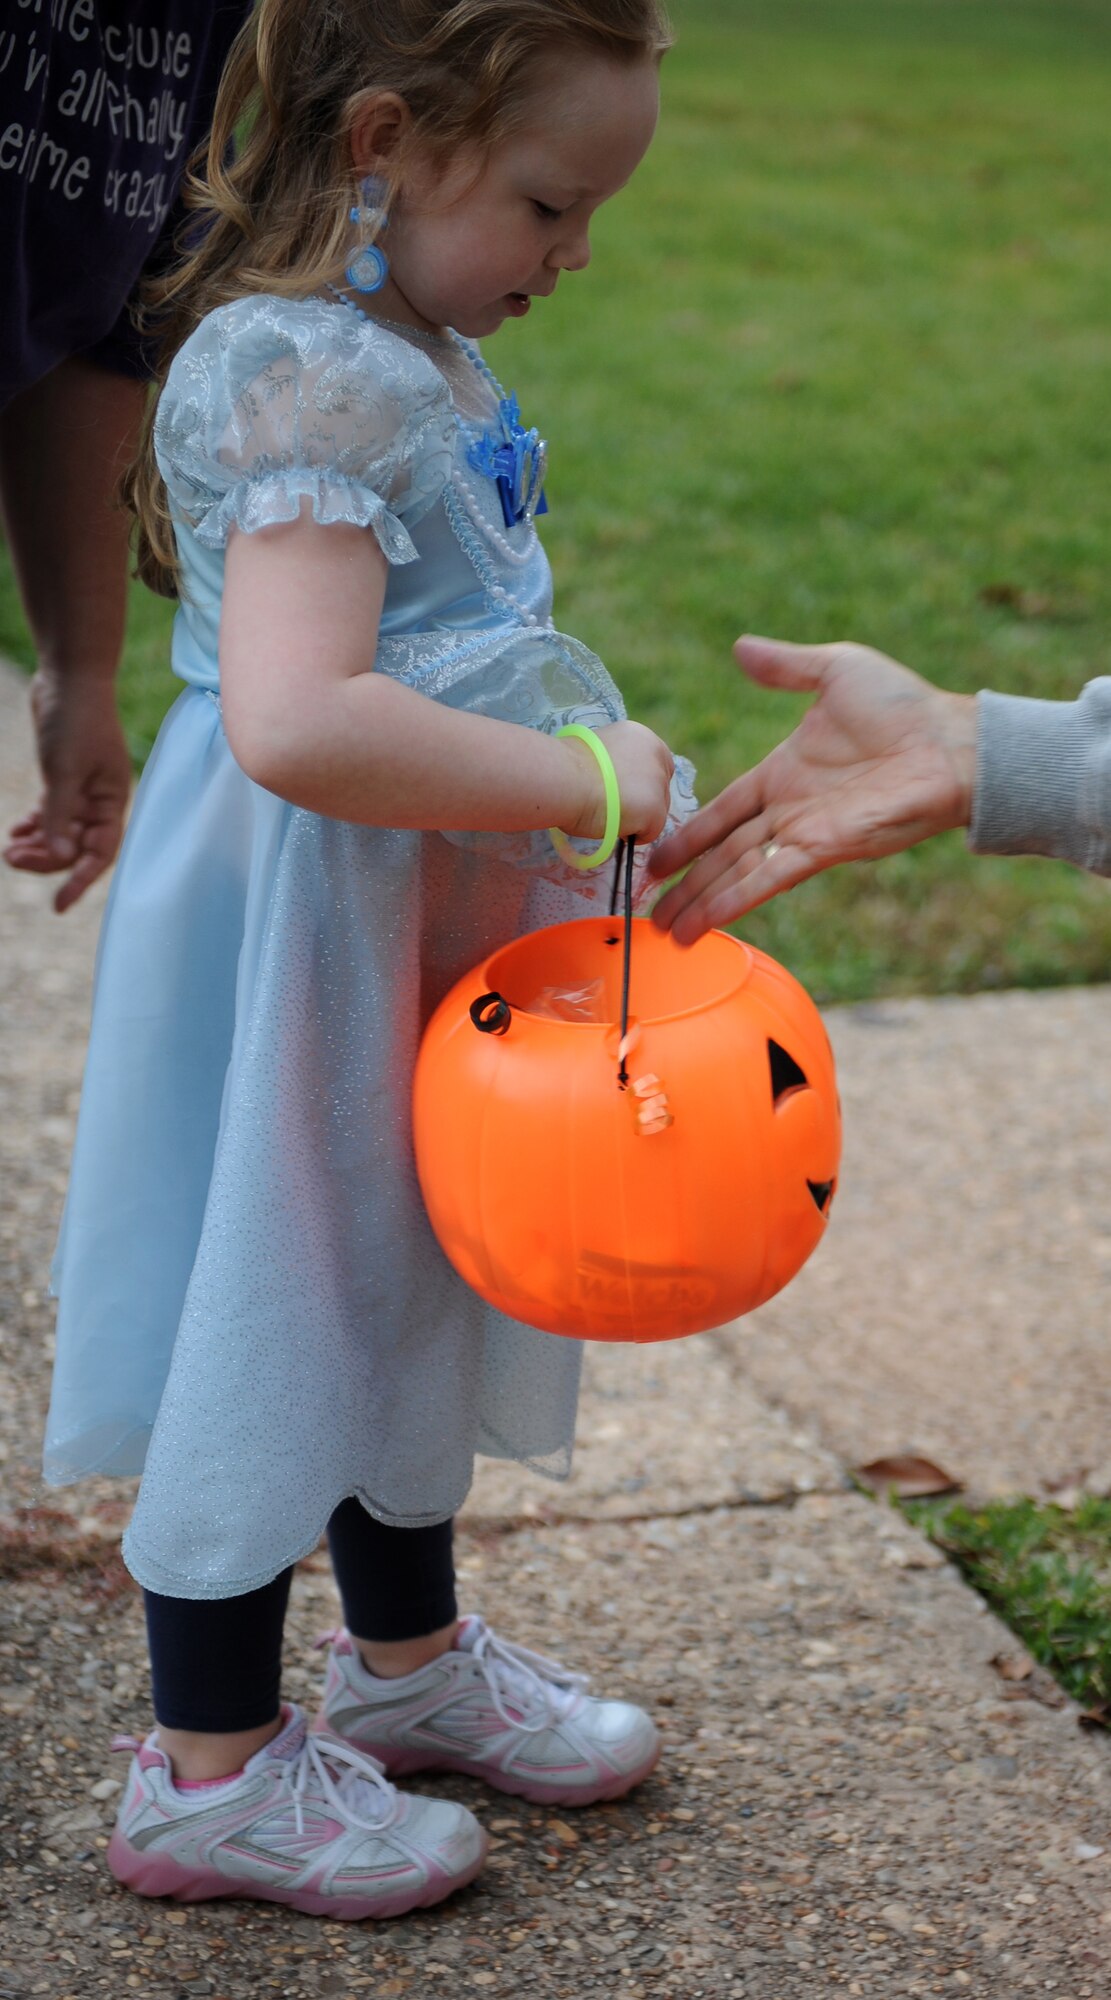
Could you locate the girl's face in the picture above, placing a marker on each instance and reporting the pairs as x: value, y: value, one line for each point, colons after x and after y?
x: 470, y: 249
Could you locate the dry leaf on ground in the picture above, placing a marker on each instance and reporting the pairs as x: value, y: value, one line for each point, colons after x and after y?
x: 907, y: 1475
x: 1011, y: 1667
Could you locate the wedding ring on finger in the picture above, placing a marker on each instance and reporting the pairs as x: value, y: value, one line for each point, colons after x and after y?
x: 769, y: 849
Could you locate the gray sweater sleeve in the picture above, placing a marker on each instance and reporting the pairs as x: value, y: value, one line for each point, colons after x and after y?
x: 1043, y: 777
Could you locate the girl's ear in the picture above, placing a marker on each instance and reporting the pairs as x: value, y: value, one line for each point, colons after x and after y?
x: 381, y: 124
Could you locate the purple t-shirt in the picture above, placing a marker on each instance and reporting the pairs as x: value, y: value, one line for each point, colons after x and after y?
x: 101, y: 104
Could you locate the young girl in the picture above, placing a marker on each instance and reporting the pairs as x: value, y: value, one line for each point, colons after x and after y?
x: 253, y: 1308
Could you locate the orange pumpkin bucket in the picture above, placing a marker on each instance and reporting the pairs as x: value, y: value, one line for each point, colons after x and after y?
x: 635, y: 1187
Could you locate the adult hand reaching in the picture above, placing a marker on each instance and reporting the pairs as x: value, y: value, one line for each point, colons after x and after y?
x: 78, y: 822
x: 63, y: 445
x: 880, y: 761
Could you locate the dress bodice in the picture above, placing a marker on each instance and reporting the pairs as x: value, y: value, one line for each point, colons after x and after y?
x: 272, y: 401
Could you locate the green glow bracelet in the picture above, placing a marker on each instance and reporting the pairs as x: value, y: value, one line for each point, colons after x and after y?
x: 608, y: 842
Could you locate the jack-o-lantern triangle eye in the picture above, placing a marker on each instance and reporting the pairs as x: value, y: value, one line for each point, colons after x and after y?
x: 786, y: 1074
x: 822, y: 1192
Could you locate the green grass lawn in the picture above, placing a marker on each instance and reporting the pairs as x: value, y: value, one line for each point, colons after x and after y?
x: 1047, y: 1571
x: 841, y: 366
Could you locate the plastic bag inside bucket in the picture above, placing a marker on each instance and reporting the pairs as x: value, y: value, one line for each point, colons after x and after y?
x: 570, y: 1003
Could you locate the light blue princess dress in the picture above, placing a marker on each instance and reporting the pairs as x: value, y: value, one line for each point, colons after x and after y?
x: 252, y: 1308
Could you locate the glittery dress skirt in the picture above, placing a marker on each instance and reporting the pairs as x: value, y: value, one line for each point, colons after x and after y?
x: 253, y: 1309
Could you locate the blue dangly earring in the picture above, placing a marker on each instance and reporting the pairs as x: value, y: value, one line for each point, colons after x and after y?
x: 369, y: 268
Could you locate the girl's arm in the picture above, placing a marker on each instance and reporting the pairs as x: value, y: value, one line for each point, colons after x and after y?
x: 307, y: 719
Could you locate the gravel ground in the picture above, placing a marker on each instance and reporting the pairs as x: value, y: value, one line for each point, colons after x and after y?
x: 849, y: 1802
x: 962, y: 1299
x: 854, y: 1798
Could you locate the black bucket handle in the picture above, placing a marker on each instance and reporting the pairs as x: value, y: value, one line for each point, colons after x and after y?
x: 491, y: 1013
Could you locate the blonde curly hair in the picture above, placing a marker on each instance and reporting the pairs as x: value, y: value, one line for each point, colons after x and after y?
x: 269, y: 192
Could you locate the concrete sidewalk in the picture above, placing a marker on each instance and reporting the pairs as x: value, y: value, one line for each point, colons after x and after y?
x: 852, y: 1799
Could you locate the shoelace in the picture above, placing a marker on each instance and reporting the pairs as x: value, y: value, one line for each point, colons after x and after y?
x: 530, y: 1680
x: 513, y: 1672
x: 312, y: 1761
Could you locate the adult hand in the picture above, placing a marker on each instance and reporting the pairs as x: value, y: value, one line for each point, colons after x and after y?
x: 880, y: 761
x: 63, y: 445
x: 78, y: 822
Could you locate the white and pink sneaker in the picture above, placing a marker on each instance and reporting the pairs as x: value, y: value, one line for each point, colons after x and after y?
x: 493, y: 1711
x: 308, y: 1821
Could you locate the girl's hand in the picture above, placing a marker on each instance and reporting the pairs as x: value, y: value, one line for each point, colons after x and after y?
x: 644, y: 767
x: 880, y: 761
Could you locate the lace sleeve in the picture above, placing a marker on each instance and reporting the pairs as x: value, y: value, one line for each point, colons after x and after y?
x: 273, y: 401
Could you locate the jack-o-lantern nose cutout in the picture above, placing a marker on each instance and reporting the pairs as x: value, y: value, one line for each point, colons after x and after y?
x: 631, y: 1178
x: 786, y: 1074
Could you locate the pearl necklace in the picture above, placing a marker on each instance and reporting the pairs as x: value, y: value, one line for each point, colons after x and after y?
x: 392, y: 325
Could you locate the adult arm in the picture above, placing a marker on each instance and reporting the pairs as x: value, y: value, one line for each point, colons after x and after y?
x: 1043, y: 777
x: 63, y: 445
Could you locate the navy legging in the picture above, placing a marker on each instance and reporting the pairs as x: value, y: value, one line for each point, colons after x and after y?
x: 216, y: 1663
